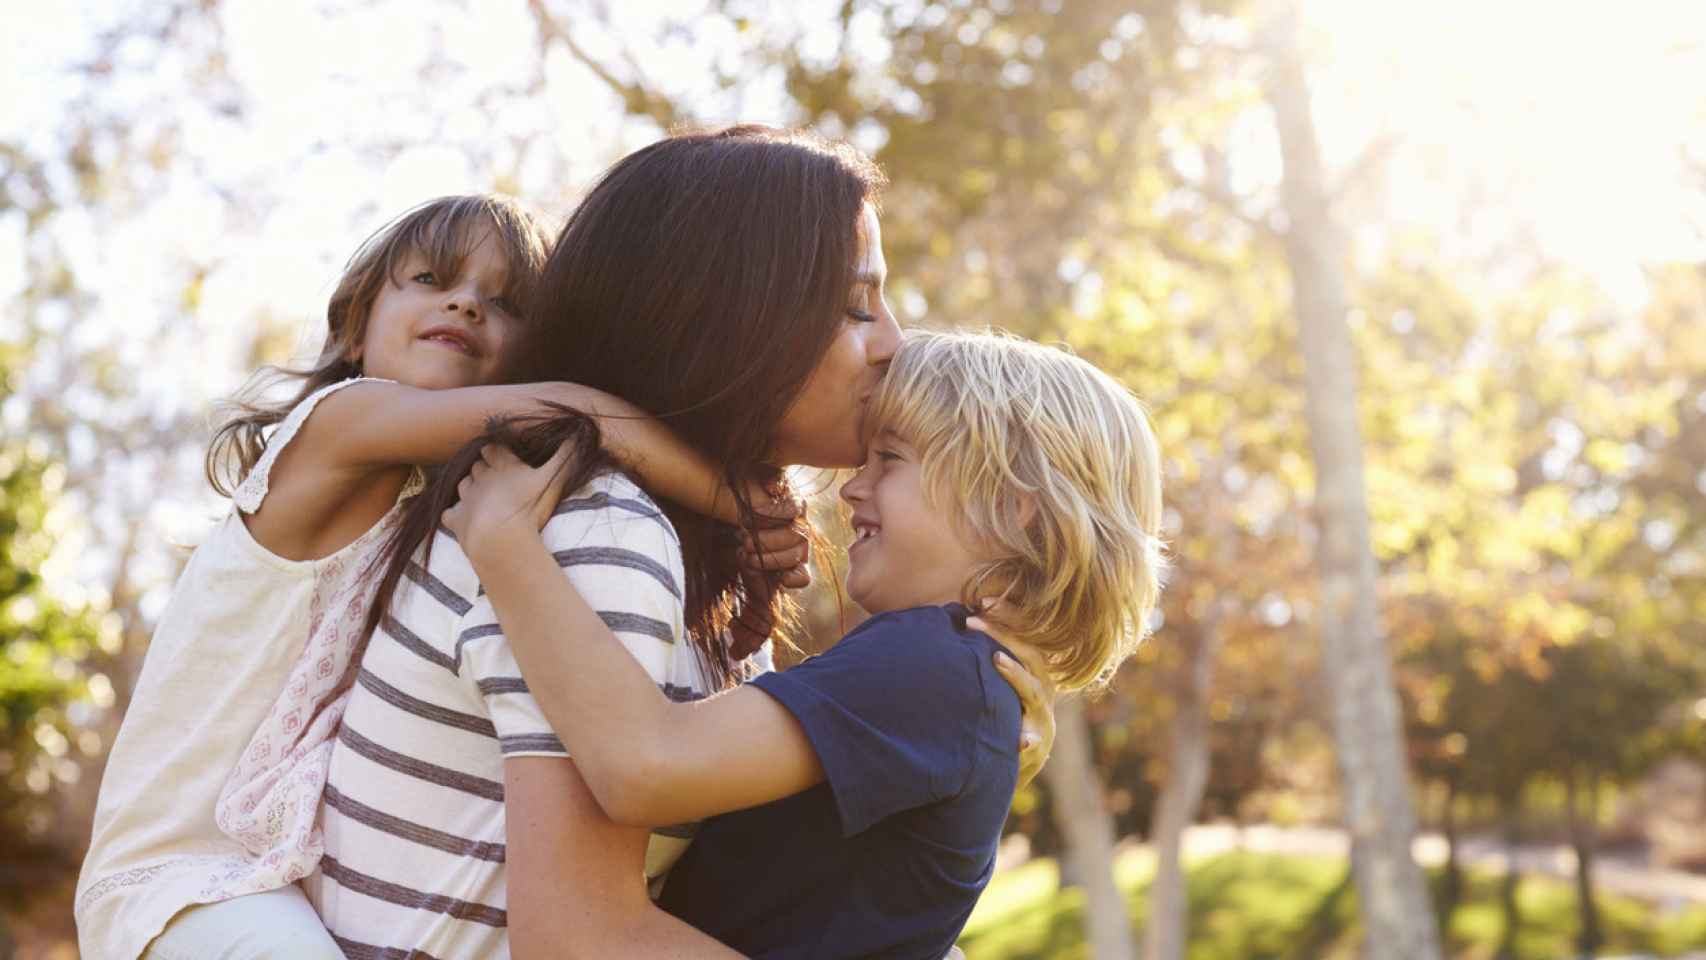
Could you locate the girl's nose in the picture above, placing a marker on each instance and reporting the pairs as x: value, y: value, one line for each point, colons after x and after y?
x: 465, y: 300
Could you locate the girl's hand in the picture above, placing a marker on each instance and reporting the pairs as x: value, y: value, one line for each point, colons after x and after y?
x: 753, y: 622
x: 503, y: 498
x: 778, y: 557
x: 783, y: 543
x: 1028, y: 677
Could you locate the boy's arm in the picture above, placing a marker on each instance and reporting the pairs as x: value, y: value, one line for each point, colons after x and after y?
x: 375, y: 425
x: 649, y: 761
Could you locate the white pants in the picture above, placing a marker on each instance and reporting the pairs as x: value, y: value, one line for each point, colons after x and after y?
x: 275, y: 925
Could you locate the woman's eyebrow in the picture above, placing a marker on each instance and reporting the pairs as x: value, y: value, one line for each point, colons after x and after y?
x: 869, y: 279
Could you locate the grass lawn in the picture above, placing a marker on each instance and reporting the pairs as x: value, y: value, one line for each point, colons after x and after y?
x: 1246, y: 906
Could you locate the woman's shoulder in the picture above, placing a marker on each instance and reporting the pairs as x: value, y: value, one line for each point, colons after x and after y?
x: 614, y: 495
x: 610, y: 513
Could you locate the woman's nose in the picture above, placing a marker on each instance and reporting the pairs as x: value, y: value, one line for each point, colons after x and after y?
x: 885, y: 340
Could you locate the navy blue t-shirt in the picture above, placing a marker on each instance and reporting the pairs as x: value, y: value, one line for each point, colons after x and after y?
x: 919, y: 739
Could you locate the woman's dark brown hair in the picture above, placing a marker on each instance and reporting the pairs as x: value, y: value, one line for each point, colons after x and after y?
x: 442, y: 232
x: 702, y: 279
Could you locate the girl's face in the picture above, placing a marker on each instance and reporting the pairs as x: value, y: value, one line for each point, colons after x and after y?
x: 436, y: 332
x: 822, y: 427
x: 905, y: 552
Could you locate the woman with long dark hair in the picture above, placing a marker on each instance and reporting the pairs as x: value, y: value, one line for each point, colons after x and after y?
x: 731, y: 282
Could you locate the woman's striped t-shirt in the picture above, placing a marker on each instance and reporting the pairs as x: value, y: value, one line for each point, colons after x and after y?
x: 414, y: 813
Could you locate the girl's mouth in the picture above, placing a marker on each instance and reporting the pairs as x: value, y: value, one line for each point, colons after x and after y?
x: 451, y: 337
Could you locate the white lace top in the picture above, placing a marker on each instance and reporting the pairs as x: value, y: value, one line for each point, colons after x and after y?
x: 212, y: 786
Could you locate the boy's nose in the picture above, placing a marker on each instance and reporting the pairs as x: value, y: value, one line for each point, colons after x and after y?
x: 853, y: 491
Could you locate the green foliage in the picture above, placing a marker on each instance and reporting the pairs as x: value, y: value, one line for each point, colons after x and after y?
x: 1248, y: 906
x: 42, y: 642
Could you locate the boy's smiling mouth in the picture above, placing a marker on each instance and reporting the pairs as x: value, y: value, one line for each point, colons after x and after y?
x: 864, y: 530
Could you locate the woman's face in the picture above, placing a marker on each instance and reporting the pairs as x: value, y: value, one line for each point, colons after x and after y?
x: 823, y: 426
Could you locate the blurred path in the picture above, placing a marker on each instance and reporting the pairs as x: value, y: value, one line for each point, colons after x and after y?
x: 1613, y: 872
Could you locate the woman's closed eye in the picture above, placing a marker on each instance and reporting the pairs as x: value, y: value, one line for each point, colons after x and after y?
x: 861, y: 315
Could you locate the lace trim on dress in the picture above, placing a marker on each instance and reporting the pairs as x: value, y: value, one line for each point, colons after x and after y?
x: 253, y: 489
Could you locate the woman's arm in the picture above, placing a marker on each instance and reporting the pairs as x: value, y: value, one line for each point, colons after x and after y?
x: 370, y: 426
x: 576, y: 886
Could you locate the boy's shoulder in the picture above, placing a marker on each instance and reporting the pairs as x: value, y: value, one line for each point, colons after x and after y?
x: 926, y: 646
x: 946, y: 618
x: 945, y: 623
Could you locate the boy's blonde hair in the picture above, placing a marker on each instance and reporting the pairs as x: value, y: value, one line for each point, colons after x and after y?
x: 1050, y: 466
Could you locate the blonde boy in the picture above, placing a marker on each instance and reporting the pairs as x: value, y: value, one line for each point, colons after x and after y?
x: 855, y: 801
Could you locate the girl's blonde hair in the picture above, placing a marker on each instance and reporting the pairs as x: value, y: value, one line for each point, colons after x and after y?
x: 1051, y: 467
x: 443, y: 232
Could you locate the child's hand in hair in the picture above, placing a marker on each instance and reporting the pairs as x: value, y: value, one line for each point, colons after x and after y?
x: 777, y: 557
x: 782, y: 543
x: 502, y: 497
x: 1029, y: 678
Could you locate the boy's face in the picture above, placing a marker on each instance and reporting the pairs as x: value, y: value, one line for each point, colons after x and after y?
x: 437, y: 332
x: 905, y: 552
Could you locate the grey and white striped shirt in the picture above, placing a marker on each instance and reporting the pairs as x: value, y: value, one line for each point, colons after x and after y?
x: 414, y: 813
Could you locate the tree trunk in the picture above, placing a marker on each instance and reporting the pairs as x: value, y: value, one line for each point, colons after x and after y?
x: 1452, y: 884
x: 1509, y: 819
x: 1583, y: 834
x: 1181, y: 794
x: 1379, y: 814
x: 1089, y: 833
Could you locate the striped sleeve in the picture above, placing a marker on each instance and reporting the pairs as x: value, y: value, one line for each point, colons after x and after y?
x: 621, y: 553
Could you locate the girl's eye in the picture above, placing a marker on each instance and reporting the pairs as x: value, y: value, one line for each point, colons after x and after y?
x: 426, y: 277
x: 504, y: 304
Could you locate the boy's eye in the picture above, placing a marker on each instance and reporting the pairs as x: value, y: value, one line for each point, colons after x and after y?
x: 887, y: 456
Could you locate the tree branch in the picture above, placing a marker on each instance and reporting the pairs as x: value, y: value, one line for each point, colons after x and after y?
x: 637, y: 98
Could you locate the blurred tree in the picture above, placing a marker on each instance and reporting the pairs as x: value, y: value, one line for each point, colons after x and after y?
x: 43, y: 643
x: 1541, y: 570
x: 1378, y: 813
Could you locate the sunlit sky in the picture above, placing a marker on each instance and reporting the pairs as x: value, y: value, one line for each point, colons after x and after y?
x: 1573, y: 118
